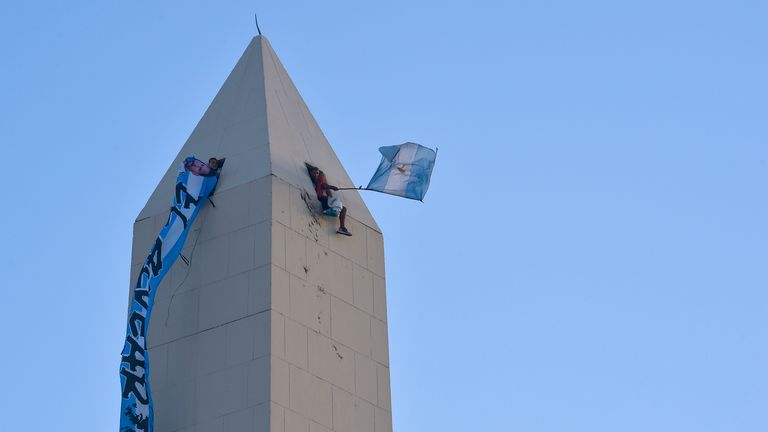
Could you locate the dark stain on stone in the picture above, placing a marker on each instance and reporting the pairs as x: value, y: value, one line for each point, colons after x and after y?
x: 337, y: 352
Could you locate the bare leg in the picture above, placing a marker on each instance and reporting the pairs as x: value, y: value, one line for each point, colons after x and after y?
x: 342, y: 217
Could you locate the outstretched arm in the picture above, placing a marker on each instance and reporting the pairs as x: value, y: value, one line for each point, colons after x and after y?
x: 327, y: 186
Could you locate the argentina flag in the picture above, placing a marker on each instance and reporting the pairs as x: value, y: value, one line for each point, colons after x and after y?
x: 404, y: 170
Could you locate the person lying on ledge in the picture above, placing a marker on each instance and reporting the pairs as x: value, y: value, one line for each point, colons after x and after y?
x: 324, y: 194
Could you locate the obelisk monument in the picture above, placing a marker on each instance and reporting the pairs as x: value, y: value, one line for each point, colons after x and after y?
x: 278, y: 323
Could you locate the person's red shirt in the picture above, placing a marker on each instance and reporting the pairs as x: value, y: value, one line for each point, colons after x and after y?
x: 321, y: 180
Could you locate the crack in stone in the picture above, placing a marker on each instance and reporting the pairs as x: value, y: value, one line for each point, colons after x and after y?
x: 337, y: 352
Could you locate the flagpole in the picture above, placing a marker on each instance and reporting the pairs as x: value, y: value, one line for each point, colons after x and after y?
x: 354, y: 188
x: 381, y: 192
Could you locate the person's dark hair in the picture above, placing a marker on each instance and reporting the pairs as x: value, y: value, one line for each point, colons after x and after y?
x: 311, y: 168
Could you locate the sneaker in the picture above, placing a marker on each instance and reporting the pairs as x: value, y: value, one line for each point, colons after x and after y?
x: 344, y: 231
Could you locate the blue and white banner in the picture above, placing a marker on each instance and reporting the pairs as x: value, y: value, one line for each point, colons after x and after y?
x: 194, y: 184
x: 404, y: 170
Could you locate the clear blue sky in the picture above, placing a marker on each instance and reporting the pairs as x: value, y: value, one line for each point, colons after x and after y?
x: 591, y: 255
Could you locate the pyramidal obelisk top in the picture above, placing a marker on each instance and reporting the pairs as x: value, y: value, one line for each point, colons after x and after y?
x: 273, y: 321
x: 259, y: 122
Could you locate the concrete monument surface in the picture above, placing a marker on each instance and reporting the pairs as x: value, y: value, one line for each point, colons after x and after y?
x: 278, y: 323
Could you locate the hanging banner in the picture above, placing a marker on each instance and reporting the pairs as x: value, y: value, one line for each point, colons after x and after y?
x: 194, y: 184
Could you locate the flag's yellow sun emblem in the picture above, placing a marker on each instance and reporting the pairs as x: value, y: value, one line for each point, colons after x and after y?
x: 401, y: 168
